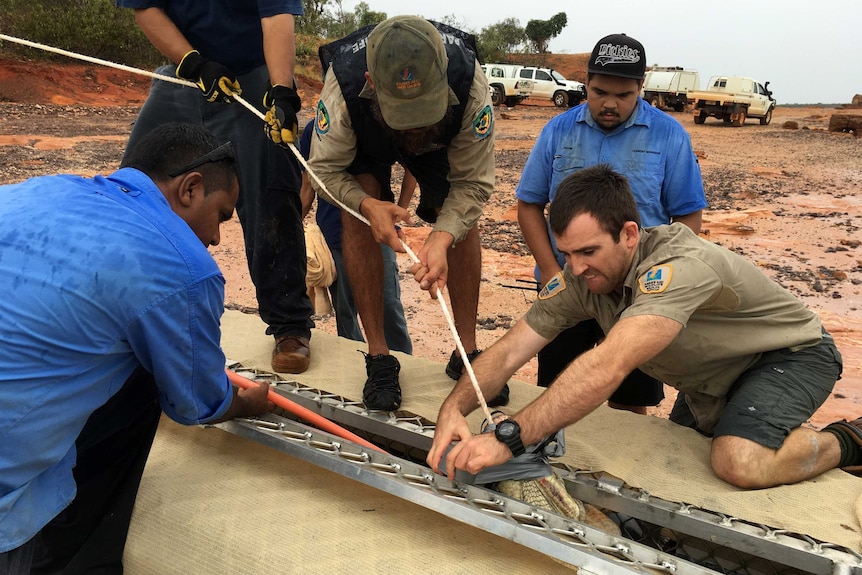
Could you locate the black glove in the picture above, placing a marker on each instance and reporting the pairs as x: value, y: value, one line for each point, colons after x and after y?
x: 217, y: 82
x: 283, y: 104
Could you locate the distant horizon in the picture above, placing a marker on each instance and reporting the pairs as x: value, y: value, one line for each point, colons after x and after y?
x: 808, y: 54
x: 779, y: 103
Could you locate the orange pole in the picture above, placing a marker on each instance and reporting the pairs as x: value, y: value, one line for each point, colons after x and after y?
x: 313, y: 418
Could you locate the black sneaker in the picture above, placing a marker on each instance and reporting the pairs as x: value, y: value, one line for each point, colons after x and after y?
x: 501, y: 398
x: 455, y: 368
x: 382, y: 390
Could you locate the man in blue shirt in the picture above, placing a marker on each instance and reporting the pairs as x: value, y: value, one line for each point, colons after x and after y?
x: 110, y: 314
x: 615, y: 127
x: 245, y: 47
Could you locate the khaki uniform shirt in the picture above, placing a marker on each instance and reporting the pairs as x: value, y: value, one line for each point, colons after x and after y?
x: 470, y: 154
x: 730, y: 311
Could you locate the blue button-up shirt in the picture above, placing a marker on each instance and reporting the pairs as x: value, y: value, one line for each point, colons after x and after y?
x: 98, y: 276
x: 651, y: 149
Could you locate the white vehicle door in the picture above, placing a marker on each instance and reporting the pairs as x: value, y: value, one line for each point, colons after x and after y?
x: 759, y: 102
x: 545, y: 86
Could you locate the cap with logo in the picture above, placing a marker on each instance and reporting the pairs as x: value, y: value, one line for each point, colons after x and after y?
x: 407, y: 63
x: 618, y: 55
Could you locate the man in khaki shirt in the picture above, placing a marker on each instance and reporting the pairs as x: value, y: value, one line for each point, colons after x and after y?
x: 411, y: 91
x: 751, y: 362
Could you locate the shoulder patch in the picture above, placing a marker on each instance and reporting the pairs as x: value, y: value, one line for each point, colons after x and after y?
x: 656, y: 279
x: 555, y: 286
x: 483, y: 123
x: 321, y: 118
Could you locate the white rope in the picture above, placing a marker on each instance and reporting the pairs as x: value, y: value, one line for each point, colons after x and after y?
x: 460, y: 346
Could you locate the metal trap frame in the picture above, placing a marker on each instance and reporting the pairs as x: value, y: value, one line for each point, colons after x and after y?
x: 657, y: 534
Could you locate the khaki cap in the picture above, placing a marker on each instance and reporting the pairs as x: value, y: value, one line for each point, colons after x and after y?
x: 407, y: 63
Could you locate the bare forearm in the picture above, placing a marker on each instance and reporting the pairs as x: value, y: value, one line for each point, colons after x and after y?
x: 531, y: 219
x: 496, y: 365
x: 279, y: 48
x: 163, y: 33
x: 693, y: 220
x: 591, y: 379
x: 247, y: 402
x: 577, y: 391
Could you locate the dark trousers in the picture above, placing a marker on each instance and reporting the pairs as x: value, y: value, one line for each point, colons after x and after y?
x: 89, y: 536
x: 636, y: 389
x: 269, y: 207
x: 18, y: 561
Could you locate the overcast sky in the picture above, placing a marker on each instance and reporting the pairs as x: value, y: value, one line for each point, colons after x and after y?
x: 810, y: 52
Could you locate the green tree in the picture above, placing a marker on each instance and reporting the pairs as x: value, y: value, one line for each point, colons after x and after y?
x: 541, y: 32
x: 342, y: 23
x: 314, y: 19
x: 326, y: 20
x: 454, y: 21
x: 95, y: 28
x: 497, y: 41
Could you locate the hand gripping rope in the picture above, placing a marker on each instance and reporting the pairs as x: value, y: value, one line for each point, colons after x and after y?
x: 460, y: 346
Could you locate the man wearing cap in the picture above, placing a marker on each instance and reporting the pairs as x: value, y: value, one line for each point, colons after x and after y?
x: 411, y: 91
x: 615, y: 126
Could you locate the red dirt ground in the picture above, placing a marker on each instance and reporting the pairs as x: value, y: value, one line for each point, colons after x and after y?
x: 810, y: 226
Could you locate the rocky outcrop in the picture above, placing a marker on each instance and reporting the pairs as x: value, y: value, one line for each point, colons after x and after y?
x: 846, y: 123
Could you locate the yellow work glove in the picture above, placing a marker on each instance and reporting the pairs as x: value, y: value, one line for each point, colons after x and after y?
x: 283, y: 103
x: 216, y: 82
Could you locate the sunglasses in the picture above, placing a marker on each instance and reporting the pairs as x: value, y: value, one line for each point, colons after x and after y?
x: 223, y: 152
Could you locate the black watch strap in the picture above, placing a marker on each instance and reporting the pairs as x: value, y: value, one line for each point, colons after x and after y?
x: 509, y: 432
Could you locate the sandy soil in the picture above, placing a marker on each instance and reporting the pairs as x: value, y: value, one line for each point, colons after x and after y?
x: 789, y: 199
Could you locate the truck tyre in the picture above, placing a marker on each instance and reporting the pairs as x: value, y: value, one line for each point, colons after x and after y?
x: 498, y: 96
x: 764, y: 121
x: 700, y: 118
x: 678, y: 107
x: 654, y: 102
x: 740, y: 119
x: 561, y: 99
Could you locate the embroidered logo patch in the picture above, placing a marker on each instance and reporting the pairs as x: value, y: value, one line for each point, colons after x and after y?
x: 553, y: 287
x: 656, y: 279
x: 483, y: 123
x: 406, y: 80
x: 617, y: 54
x: 321, y: 123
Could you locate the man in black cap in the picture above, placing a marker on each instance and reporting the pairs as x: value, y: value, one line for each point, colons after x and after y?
x: 616, y: 127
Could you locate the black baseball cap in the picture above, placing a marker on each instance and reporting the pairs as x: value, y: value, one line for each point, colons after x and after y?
x: 618, y: 55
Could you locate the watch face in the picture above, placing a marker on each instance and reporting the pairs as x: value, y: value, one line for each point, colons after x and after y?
x: 506, y: 429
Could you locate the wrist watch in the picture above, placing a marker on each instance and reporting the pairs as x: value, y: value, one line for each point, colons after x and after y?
x: 509, y: 432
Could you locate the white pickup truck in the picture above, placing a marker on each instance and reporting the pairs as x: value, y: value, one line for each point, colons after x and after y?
x: 551, y: 85
x: 732, y: 99
x: 668, y: 86
x: 506, y: 87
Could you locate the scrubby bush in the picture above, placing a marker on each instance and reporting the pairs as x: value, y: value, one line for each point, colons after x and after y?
x: 97, y: 28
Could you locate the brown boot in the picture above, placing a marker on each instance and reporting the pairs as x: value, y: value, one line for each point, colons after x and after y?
x: 291, y: 354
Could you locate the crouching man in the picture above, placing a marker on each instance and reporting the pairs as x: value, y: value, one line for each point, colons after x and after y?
x: 750, y: 361
x: 111, y: 308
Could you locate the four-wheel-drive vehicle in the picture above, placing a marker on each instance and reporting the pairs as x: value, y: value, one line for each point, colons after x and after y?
x: 506, y: 87
x: 733, y: 99
x: 668, y: 87
x: 548, y: 84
